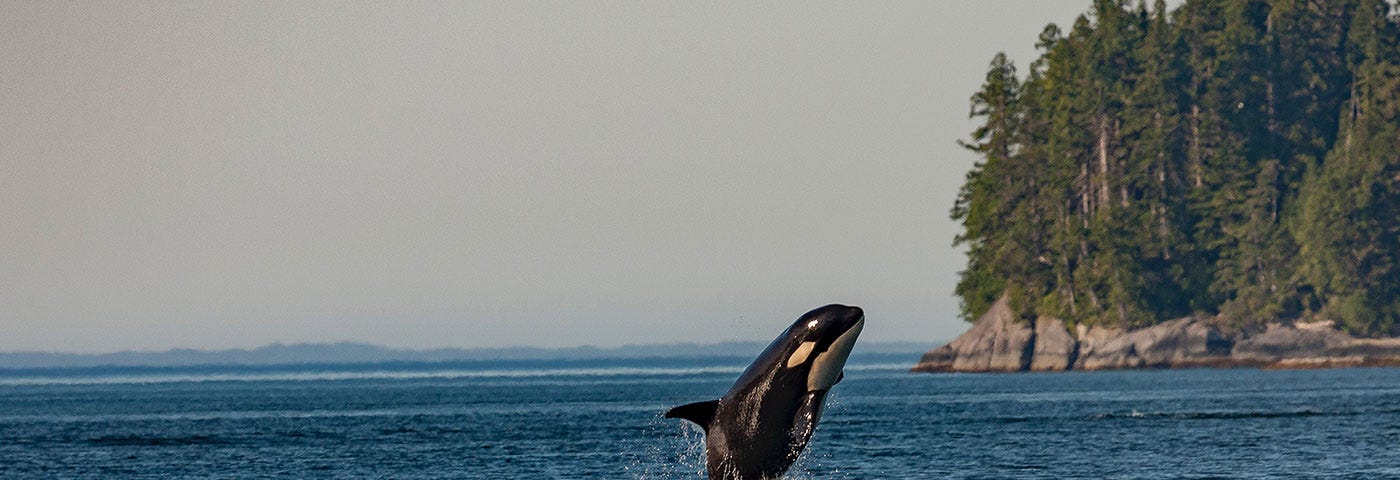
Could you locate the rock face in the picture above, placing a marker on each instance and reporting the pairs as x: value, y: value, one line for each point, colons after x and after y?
x: 1315, y: 345
x: 996, y: 343
x: 999, y: 342
x: 1177, y: 343
x: 1055, y: 350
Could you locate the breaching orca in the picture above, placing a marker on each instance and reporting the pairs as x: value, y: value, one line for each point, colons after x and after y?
x: 758, y: 428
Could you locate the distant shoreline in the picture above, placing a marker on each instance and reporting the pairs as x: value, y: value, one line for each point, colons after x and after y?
x: 409, y: 368
x: 352, y: 354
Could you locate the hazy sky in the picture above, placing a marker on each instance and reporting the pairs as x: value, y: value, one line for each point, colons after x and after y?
x: 229, y: 174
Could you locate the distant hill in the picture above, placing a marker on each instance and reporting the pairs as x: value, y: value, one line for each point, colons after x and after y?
x: 350, y: 352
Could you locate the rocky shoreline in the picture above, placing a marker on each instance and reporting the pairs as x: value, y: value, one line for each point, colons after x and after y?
x: 998, y: 343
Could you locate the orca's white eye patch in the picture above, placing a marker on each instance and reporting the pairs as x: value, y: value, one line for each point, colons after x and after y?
x: 800, y: 354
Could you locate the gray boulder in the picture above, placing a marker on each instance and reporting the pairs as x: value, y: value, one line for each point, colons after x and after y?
x: 1281, y: 341
x: 1055, y: 349
x: 1184, y: 342
x: 1315, y: 345
x: 999, y: 342
x: 1103, y: 348
x: 1179, y: 342
x: 995, y: 343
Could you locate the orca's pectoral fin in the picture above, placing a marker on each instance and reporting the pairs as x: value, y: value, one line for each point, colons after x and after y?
x: 805, y: 420
x: 702, y: 413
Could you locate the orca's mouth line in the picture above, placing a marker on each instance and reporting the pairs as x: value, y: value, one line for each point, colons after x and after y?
x: 856, y: 326
x: 826, y: 368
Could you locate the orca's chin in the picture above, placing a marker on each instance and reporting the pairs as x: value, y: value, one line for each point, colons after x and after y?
x: 826, y: 368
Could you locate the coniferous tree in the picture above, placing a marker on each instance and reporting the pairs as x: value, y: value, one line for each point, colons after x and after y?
x: 1155, y: 173
x: 982, y: 206
x: 1233, y: 156
x: 1349, y: 227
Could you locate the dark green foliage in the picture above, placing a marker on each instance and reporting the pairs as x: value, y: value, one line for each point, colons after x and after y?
x: 1349, y: 225
x: 1238, y: 157
x: 983, y: 202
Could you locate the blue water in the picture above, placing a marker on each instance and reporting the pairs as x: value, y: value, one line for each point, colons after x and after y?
x: 602, y: 419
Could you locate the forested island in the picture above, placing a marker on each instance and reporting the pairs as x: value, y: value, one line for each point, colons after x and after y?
x: 1228, y: 168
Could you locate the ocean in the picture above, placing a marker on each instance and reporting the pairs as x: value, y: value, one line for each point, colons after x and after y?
x: 602, y: 419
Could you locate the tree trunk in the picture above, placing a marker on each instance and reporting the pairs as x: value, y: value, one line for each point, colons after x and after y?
x: 1103, y: 162
x: 1194, y: 146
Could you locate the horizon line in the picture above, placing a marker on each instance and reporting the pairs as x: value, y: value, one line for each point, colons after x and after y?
x: 358, y: 343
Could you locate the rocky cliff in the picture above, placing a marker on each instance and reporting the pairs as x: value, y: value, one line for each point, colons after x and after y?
x: 999, y: 342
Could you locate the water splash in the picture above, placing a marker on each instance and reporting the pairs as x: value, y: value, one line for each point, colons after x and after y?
x: 677, y: 453
x: 813, y: 463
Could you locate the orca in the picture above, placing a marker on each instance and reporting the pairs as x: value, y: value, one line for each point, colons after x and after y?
x: 757, y: 429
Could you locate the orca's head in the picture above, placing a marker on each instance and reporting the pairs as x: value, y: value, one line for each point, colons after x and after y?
x: 820, y: 341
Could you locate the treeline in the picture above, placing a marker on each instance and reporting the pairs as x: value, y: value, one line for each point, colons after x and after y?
x: 1229, y: 157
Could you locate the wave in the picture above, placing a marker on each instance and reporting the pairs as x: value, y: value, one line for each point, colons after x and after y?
x: 1224, y: 415
x: 1186, y: 415
x: 141, y: 441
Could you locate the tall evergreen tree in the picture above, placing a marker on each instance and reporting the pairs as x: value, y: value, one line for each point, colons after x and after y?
x: 1349, y: 227
x: 1154, y: 171
x: 983, y: 207
x: 1233, y: 196
x: 1232, y: 156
